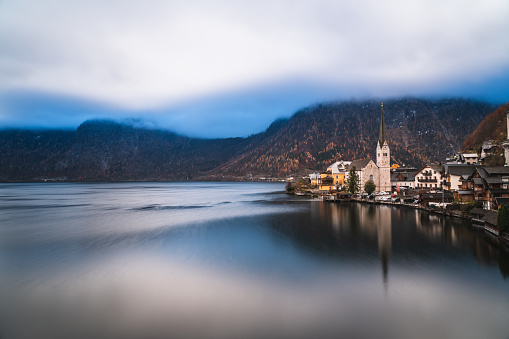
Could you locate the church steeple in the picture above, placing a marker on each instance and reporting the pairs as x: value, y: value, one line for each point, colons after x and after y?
x: 381, y: 138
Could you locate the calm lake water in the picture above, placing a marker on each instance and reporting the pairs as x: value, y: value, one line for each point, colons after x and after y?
x: 236, y: 260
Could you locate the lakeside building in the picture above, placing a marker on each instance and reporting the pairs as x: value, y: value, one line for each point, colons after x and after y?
x: 367, y: 169
x: 429, y: 177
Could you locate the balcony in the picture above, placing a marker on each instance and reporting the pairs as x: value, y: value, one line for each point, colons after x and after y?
x: 427, y: 179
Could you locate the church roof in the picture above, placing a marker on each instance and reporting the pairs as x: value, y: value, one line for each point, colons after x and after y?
x: 382, y: 138
x: 359, y: 164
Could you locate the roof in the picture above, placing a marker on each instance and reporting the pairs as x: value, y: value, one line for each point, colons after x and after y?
x: 359, y: 164
x: 478, y: 210
x: 499, y: 170
x: 435, y: 167
x: 491, y: 217
x: 460, y: 170
x: 407, y: 176
x: 499, y: 190
x: 466, y: 192
x: 470, y: 155
x: 502, y: 200
x: 478, y: 181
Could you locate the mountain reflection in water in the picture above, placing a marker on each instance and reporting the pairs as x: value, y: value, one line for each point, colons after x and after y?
x: 229, y: 260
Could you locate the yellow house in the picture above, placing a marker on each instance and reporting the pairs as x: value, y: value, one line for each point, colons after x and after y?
x: 326, y: 181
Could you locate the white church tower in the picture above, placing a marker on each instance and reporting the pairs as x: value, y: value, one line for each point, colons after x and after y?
x: 383, y: 158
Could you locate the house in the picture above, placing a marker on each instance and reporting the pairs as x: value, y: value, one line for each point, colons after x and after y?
x: 338, y: 170
x: 488, y: 148
x: 490, y: 222
x: 455, y: 173
x: 444, y: 196
x: 490, y: 183
x: 470, y: 158
x: 402, y: 180
x: 478, y: 215
x: 463, y: 158
x: 325, y: 181
x: 313, y: 178
x: 429, y: 177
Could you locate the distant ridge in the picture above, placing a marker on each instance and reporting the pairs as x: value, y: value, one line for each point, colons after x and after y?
x: 418, y: 131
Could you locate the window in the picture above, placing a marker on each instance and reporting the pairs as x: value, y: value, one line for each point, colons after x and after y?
x: 385, y: 154
x: 378, y: 154
x: 371, y: 177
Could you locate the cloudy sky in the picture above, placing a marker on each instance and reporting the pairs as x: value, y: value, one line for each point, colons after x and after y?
x: 221, y: 68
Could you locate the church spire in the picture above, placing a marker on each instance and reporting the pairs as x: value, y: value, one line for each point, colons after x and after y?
x: 382, y: 139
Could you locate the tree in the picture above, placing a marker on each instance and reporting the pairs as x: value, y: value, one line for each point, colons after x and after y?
x: 369, y: 186
x: 352, y: 183
x: 503, y: 218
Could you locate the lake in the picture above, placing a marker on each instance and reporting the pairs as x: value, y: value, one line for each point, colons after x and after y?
x: 239, y: 260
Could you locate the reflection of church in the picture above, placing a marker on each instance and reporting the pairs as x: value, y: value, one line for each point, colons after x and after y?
x: 371, y: 220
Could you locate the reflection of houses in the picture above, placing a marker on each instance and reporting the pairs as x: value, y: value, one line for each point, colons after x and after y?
x: 429, y: 177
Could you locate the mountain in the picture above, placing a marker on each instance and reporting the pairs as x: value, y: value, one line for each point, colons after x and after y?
x: 493, y: 127
x: 418, y: 131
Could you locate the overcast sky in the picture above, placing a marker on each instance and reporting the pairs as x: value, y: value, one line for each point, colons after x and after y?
x: 229, y: 68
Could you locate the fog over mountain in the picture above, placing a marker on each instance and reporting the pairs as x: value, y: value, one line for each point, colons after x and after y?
x: 418, y: 131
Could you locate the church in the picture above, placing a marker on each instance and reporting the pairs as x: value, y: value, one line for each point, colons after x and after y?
x: 367, y: 169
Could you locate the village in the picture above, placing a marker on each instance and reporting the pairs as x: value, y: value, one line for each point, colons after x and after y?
x: 463, y: 185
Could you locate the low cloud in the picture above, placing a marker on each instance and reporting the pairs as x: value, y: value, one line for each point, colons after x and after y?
x: 166, y: 58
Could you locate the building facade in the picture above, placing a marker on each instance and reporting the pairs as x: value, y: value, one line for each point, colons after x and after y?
x: 383, y: 158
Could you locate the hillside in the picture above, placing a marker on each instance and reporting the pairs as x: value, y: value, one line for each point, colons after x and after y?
x: 493, y: 127
x: 418, y: 131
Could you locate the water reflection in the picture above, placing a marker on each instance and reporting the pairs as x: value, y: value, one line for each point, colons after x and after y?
x: 141, y: 260
x: 418, y: 233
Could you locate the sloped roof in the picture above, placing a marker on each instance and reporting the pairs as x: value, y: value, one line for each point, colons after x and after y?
x: 435, y: 167
x: 461, y: 170
x: 359, y: 164
x: 499, y: 170
x: 491, y: 217
x: 478, y: 210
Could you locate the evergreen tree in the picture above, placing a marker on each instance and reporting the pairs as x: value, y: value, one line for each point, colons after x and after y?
x: 503, y: 218
x: 369, y: 186
x: 352, y: 183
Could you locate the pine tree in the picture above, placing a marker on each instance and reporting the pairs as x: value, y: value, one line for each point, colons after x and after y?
x: 352, y: 183
x: 503, y: 218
